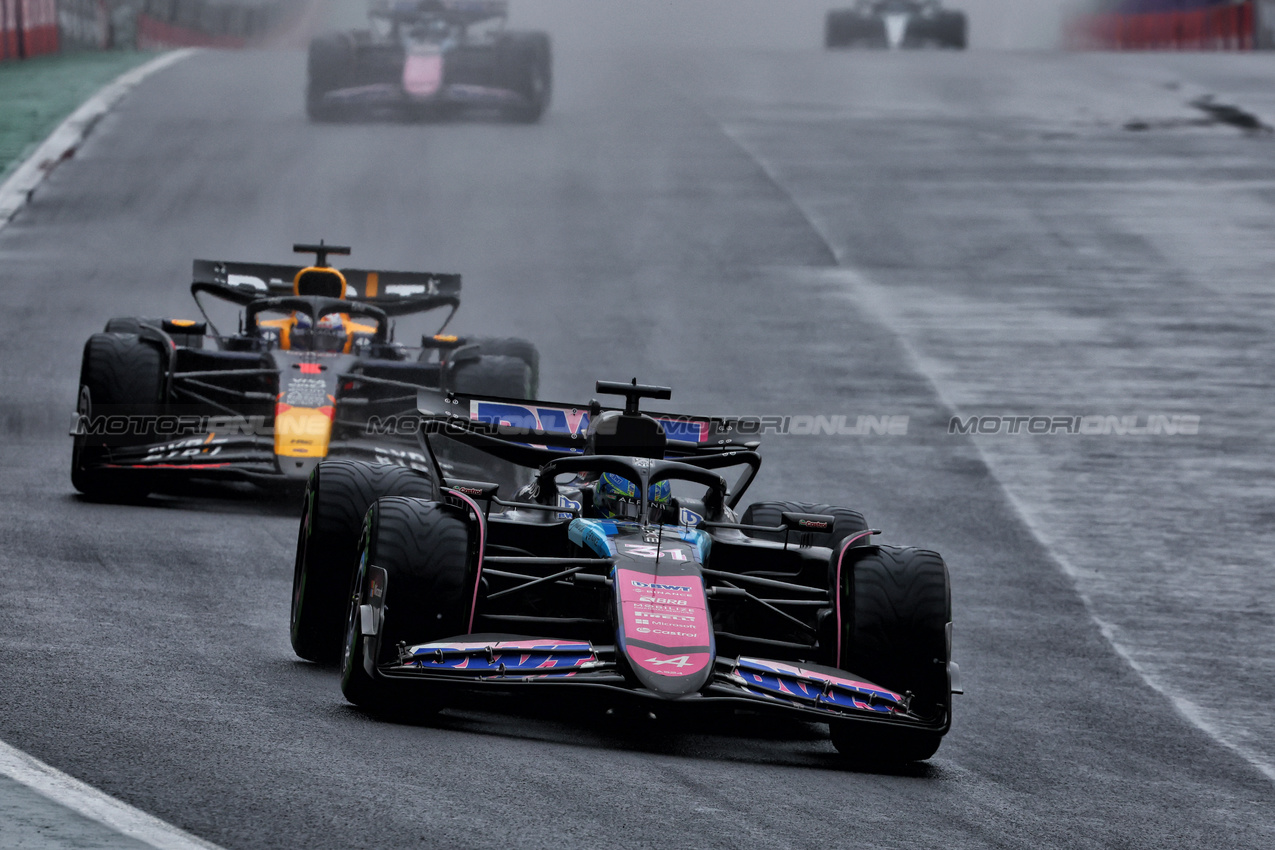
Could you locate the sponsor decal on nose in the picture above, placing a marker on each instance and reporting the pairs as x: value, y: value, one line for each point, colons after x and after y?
x: 896, y: 27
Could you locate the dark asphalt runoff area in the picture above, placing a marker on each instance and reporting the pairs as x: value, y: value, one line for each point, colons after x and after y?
x: 790, y: 233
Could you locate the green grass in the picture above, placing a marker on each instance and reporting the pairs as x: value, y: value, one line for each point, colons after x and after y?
x: 36, y: 94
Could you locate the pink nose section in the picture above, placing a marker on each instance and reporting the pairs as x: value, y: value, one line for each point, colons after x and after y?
x: 423, y: 75
x: 666, y: 629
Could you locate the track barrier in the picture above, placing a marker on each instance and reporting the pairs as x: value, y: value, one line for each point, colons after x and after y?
x: 35, y: 27
x: 1233, y: 26
x: 28, y: 28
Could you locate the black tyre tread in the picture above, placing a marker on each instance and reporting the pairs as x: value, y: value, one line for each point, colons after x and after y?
x: 120, y: 369
x: 504, y: 376
x: 901, y: 605
x: 896, y: 606
x: 124, y: 376
x: 883, y: 746
x: 337, y: 498
x: 520, y: 53
x: 523, y: 349
x: 849, y: 522
x: 424, y: 549
x: 329, y: 61
x: 841, y: 27
x: 125, y: 325
x: 495, y: 375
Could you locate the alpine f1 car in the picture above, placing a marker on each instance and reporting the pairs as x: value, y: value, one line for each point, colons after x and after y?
x: 896, y: 24
x: 311, y: 372
x: 621, y: 571
x: 430, y: 58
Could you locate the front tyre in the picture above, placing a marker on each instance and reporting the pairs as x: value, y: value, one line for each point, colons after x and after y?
x: 329, y: 66
x: 895, y: 607
x: 337, y: 497
x: 121, y: 376
x: 525, y: 65
x: 423, y: 549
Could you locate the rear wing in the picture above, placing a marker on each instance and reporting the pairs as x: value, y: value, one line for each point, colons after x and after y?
x: 460, y: 12
x: 533, y: 433
x: 397, y: 293
x: 560, y: 427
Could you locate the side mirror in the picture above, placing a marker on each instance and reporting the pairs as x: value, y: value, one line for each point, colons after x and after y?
x: 792, y: 521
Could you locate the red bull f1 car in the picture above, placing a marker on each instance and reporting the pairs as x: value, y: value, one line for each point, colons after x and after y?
x: 621, y: 571
x: 311, y: 372
x: 430, y: 59
x: 896, y: 24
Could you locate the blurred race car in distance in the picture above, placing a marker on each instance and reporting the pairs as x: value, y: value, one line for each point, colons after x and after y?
x: 621, y: 571
x: 311, y: 365
x: 430, y: 59
x: 896, y: 24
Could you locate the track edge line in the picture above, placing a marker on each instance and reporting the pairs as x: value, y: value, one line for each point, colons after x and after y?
x: 66, y: 138
x: 869, y: 296
x: 98, y: 806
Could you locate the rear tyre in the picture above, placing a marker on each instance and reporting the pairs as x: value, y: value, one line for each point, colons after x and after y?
x: 128, y: 325
x: 330, y: 65
x: 848, y: 523
x: 494, y: 375
x: 525, y: 65
x: 424, y: 549
x: 522, y: 349
x: 895, y: 606
x: 490, y: 375
x: 832, y: 31
x: 843, y: 28
x: 957, y: 32
x: 120, y: 375
x: 337, y: 498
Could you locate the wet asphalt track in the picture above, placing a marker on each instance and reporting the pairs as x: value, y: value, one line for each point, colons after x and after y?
x: 691, y: 221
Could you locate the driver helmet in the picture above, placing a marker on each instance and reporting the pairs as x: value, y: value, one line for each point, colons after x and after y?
x: 616, y: 497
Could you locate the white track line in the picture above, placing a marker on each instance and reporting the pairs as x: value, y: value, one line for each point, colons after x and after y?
x: 27, y: 770
x: 70, y: 134
x: 94, y: 804
x: 874, y: 299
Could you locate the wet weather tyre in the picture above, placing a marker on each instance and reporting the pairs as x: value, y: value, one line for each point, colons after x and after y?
x: 128, y: 325
x: 522, y: 349
x: 895, y: 607
x: 503, y: 377
x: 847, y: 28
x: 494, y: 375
x: 956, y: 32
x: 848, y: 523
x: 330, y: 65
x: 834, y: 30
x: 120, y: 375
x: 424, y: 549
x: 337, y: 497
x: 525, y: 65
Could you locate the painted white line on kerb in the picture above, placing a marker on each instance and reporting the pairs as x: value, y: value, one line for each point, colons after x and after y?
x: 70, y: 134
x: 94, y: 804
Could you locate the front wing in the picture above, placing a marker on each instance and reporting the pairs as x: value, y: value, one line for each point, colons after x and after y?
x: 809, y: 692
x: 250, y: 459
x: 393, y: 95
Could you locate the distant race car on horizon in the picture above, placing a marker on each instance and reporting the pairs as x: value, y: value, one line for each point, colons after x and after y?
x: 896, y: 24
x: 312, y: 371
x: 430, y: 59
x: 621, y: 572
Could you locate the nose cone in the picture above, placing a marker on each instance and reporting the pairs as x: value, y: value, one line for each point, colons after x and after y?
x: 896, y: 29
x: 423, y: 74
